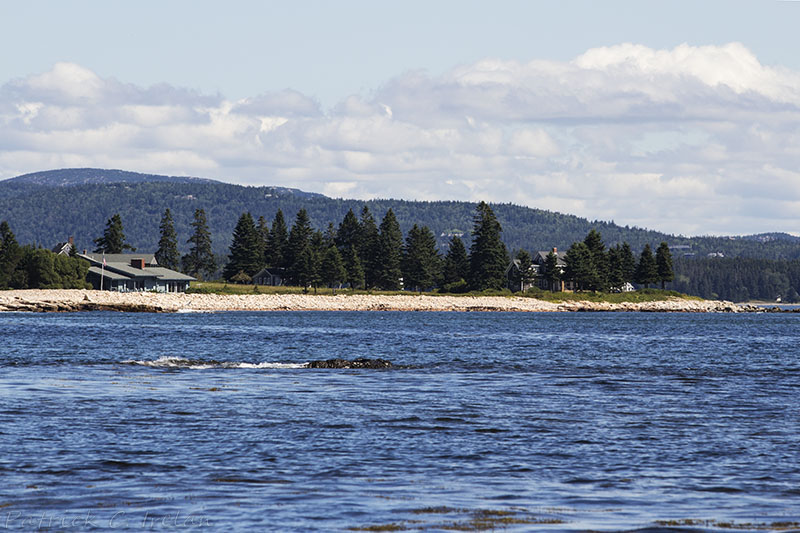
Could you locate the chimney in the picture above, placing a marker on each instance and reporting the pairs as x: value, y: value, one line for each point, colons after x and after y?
x: 72, y: 241
x: 555, y: 250
x: 137, y: 263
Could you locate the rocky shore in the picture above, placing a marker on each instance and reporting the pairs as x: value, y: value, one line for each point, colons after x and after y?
x: 87, y: 300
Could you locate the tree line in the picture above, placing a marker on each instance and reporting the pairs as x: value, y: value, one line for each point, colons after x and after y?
x: 29, y: 267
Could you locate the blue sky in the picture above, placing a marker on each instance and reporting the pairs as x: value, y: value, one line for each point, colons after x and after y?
x: 679, y: 116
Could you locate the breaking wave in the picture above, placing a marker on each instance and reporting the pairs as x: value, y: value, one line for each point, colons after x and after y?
x: 199, y: 364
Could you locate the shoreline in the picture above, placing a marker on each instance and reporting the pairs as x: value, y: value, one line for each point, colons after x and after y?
x: 70, y: 300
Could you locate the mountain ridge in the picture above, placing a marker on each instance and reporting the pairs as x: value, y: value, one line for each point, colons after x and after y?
x: 49, y: 206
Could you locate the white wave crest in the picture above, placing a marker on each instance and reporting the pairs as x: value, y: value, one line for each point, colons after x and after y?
x: 195, y: 364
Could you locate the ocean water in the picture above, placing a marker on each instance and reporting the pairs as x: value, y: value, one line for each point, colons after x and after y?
x: 509, y: 421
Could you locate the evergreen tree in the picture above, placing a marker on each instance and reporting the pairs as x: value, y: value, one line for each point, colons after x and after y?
x: 333, y: 272
x: 113, y: 239
x: 664, y: 264
x: 456, y: 262
x: 262, y: 228
x: 10, y: 255
x: 599, y: 269
x: 355, y: 272
x: 167, y: 254
x: 298, y: 251
x: 349, y: 232
x: 616, y: 278
x: 390, y: 250
x: 200, y: 261
x: 580, y: 266
x: 277, y: 243
x: 646, y: 270
x: 523, y: 275
x: 246, y: 254
x: 421, y: 263
x: 488, y: 257
x: 368, y: 248
x: 627, y: 263
x: 318, y: 246
x: 552, y: 272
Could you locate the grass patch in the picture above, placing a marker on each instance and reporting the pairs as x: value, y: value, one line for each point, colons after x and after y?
x: 642, y: 295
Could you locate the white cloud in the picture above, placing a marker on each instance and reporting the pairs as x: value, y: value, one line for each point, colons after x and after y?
x: 689, y: 140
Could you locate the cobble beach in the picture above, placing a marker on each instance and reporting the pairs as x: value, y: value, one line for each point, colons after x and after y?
x: 87, y: 300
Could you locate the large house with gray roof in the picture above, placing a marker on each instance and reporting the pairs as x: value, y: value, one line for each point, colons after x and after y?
x: 133, y: 272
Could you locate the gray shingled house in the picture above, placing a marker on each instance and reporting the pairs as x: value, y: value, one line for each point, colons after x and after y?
x: 133, y: 272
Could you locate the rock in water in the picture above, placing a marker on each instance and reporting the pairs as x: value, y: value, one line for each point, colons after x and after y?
x: 355, y: 363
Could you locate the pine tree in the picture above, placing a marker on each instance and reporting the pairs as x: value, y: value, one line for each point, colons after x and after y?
x: 599, y: 269
x: 262, y: 228
x: 456, y: 262
x: 333, y: 273
x: 627, y: 263
x: 390, y: 251
x: 200, y: 261
x: 277, y: 243
x: 113, y: 239
x: 355, y: 272
x: 615, y: 274
x: 246, y: 254
x: 488, y: 257
x: 421, y: 262
x: 368, y: 248
x: 523, y: 274
x: 664, y: 264
x: 167, y: 254
x: 646, y: 270
x: 298, y: 256
x: 10, y: 255
x: 580, y: 267
x: 349, y: 232
x: 552, y: 272
x: 318, y: 246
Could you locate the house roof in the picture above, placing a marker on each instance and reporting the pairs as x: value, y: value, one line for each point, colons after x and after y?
x: 541, y: 257
x: 118, y: 266
x: 149, y: 259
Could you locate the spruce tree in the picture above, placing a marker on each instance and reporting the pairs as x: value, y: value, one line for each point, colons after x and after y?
x: 646, y: 270
x: 167, y: 254
x: 421, y: 263
x: 523, y: 275
x: 333, y: 272
x: 552, y: 272
x: 200, y: 261
x: 456, y: 262
x: 277, y: 243
x: 368, y: 248
x: 627, y: 263
x: 664, y: 264
x: 113, y: 239
x: 262, y: 228
x: 349, y: 232
x: 488, y: 257
x: 246, y: 254
x: 355, y: 272
x: 599, y: 269
x: 390, y: 249
x: 616, y: 277
x: 580, y: 267
x: 10, y: 255
x: 318, y: 246
x: 298, y: 256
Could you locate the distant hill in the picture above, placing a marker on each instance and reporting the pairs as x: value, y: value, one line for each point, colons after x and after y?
x: 47, y: 207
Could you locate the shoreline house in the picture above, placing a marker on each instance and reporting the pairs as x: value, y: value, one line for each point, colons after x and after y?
x: 269, y: 276
x: 540, y: 263
x: 133, y: 272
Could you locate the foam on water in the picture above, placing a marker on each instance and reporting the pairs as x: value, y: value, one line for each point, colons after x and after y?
x: 197, y: 364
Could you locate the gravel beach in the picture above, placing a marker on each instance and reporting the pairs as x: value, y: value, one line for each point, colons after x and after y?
x: 88, y: 300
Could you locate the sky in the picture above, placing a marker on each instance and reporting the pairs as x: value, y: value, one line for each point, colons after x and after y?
x: 682, y: 117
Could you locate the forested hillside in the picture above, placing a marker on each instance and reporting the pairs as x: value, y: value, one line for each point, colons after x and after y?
x: 48, y: 207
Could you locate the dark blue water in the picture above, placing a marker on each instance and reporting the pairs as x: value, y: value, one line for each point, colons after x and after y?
x: 515, y: 421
